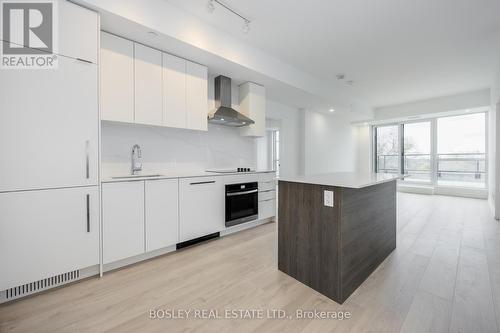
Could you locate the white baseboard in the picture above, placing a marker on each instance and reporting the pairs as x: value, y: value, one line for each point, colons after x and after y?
x: 478, y: 193
x: 417, y: 189
x: 475, y: 193
x: 141, y: 257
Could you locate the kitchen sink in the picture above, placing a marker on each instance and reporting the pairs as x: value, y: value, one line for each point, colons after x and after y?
x: 136, y: 176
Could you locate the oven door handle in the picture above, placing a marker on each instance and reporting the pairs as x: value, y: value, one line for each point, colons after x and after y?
x: 240, y: 193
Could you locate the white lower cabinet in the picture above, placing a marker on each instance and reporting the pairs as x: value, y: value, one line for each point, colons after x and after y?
x: 162, y: 213
x: 123, y: 220
x: 201, y: 207
x: 267, y: 209
x: 267, y: 195
x: 46, y: 233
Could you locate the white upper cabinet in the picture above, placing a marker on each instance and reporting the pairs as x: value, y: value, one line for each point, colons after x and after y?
x: 196, y: 96
x: 46, y: 233
x: 78, y: 32
x: 145, y: 86
x: 148, y: 85
x: 122, y: 220
x: 49, y: 124
x: 117, y: 78
x: 174, y: 91
x: 162, y: 213
x: 253, y: 105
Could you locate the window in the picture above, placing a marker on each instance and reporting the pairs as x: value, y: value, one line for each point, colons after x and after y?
x: 387, y: 147
x: 417, y: 151
x: 461, y: 151
x: 446, y: 151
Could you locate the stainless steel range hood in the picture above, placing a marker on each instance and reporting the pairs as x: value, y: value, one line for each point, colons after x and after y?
x: 224, y: 114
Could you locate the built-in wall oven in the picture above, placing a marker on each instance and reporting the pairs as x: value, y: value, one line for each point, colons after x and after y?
x: 242, y: 203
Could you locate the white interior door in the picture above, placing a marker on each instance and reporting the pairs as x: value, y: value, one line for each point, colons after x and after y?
x: 49, y: 126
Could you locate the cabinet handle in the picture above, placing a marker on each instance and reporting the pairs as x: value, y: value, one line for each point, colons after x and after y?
x: 88, y: 212
x: 200, y: 183
x: 87, y: 159
x: 240, y: 193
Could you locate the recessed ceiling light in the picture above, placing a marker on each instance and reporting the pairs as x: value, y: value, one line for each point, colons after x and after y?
x: 340, y: 76
x: 332, y: 110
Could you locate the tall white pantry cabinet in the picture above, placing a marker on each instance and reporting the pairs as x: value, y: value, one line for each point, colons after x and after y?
x: 49, y: 194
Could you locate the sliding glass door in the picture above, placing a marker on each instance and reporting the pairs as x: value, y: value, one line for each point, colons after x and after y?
x: 417, y: 151
x: 387, y: 149
x: 461, y: 151
x: 446, y: 151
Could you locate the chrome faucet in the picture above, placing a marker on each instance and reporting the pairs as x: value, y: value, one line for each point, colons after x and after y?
x: 136, y: 159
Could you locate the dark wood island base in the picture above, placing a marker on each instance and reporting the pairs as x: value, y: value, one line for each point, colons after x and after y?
x: 334, y: 249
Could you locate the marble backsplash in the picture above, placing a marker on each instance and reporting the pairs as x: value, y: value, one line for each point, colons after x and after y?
x: 169, y: 149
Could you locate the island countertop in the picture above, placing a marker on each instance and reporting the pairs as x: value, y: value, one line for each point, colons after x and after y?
x: 344, y: 179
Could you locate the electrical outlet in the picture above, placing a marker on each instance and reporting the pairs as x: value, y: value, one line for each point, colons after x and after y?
x: 328, y: 198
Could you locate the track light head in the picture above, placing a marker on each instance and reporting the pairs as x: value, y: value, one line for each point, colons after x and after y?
x: 210, y: 6
x: 246, y: 26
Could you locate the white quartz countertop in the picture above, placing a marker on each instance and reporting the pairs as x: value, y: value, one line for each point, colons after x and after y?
x: 344, y: 179
x: 172, y: 174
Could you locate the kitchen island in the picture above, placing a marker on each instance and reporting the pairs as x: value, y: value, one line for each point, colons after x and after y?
x: 335, y: 229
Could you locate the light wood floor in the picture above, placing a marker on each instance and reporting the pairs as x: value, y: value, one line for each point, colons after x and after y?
x: 444, y: 276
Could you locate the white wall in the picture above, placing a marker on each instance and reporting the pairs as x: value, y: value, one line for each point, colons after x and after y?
x: 470, y: 100
x: 364, y: 149
x: 287, y: 119
x: 313, y: 142
x: 330, y: 144
x: 494, y: 138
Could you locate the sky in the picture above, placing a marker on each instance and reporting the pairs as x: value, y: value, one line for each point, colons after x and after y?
x: 457, y: 134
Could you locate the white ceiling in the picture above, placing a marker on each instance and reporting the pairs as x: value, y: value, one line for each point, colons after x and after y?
x: 396, y: 51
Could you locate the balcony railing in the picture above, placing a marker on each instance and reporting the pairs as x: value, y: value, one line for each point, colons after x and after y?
x: 451, y: 169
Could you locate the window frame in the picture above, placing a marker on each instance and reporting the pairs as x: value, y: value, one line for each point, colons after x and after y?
x: 433, y: 149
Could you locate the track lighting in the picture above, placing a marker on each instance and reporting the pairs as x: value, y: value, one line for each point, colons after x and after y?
x: 246, y: 27
x: 210, y: 6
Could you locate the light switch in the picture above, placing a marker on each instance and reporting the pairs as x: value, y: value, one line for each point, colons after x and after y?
x: 328, y: 200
